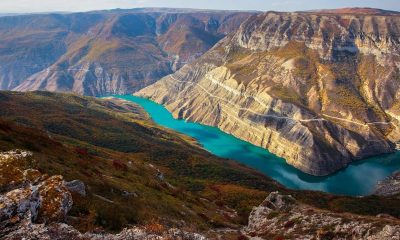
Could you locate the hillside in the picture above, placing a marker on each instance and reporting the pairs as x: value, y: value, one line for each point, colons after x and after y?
x: 103, y: 52
x: 136, y: 173
x: 319, y: 89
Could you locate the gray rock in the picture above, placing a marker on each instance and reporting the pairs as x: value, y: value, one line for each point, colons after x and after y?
x: 129, y: 194
x: 282, y: 215
x: 76, y: 186
x: 390, y: 186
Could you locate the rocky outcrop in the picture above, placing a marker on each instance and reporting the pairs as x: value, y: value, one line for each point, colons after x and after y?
x: 30, y: 196
x: 282, y: 217
x: 60, y: 231
x: 38, y: 206
x: 318, y: 89
x: 105, y: 52
x: 34, y: 206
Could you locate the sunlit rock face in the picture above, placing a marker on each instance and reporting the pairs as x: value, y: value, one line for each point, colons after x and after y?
x: 105, y: 52
x: 318, y: 89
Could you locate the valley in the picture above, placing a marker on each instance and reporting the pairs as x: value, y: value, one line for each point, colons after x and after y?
x: 349, y: 181
x: 137, y: 175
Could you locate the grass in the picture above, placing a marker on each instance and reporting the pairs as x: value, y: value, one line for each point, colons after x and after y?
x: 99, y: 47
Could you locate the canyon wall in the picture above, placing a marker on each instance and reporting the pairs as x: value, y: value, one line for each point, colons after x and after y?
x: 318, y: 89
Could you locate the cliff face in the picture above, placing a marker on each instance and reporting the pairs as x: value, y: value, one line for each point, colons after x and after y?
x: 318, y: 89
x: 105, y: 52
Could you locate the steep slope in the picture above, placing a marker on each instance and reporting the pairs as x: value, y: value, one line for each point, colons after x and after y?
x: 134, y: 171
x: 104, y: 52
x: 320, y: 90
x: 122, y: 170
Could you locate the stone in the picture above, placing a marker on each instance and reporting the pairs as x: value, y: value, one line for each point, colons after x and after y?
x: 281, y: 215
x: 76, y: 186
x: 12, y: 168
x: 56, y: 200
x: 390, y: 186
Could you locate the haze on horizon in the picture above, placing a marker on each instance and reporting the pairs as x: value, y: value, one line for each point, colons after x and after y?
x: 26, y: 6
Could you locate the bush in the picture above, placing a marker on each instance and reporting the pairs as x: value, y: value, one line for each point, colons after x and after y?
x: 119, y: 165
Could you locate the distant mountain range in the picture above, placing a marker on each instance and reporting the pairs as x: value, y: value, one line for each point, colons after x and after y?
x: 105, y: 52
x: 356, y: 11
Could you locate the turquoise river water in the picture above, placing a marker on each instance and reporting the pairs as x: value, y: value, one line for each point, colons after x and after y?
x: 357, y: 179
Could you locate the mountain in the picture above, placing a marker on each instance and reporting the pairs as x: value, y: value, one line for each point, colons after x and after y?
x: 104, y: 52
x: 318, y: 89
x: 102, y: 165
x: 356, y: 11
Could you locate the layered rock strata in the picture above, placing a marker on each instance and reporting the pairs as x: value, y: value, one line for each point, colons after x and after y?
x: 318, y: 89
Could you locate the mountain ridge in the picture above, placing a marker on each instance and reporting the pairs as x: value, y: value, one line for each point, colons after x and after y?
x: 356, y: 10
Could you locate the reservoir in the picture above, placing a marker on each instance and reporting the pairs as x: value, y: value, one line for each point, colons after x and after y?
x: 357, y: 179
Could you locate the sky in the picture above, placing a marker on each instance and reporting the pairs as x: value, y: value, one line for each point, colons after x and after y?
x: 25, y: 6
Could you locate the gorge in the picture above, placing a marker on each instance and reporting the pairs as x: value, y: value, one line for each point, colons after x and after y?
x: 320, y: 89
x: 349, y: 181
x: 326, y: 83
x: 193, y: 124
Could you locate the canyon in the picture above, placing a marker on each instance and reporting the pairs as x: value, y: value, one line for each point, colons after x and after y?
x: 81, y: 157
x: 320, y: 89
x: 325, y: 83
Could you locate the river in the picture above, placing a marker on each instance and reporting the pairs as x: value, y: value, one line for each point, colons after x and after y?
x: 357, y: 179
